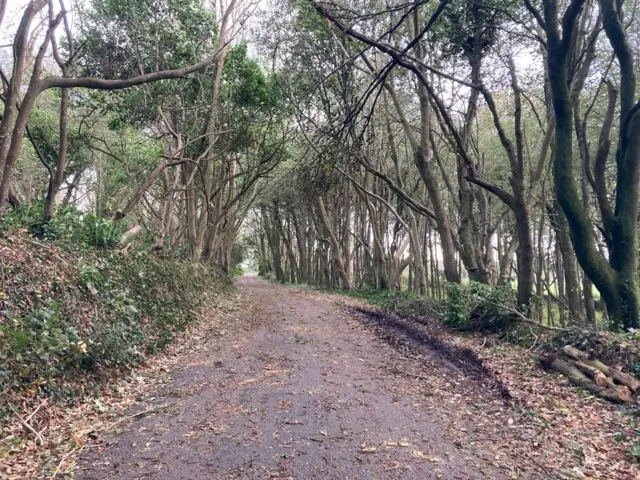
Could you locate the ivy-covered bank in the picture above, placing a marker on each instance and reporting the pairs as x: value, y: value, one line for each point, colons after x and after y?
x: 76, y: 309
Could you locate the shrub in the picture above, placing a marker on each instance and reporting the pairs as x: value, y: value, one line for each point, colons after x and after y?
x: 29, y: 216
x: 74, y: 228
x: 136, y: 304
x: 237, y: 271
x: 478, y: 306
x: 147, y: 299
x: 69, y: 226
x: 404, y: 303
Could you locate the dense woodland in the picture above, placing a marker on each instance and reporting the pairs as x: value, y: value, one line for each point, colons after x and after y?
x: 354, y: 144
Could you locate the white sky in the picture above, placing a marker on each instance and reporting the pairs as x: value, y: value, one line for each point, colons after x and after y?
x: 15, y: 8
x: 13, y: 15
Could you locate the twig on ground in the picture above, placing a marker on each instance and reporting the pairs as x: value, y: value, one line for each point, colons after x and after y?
x: 37, y: 434
x: 148, y: 410
x: 62, y: 460
x: 535, y: 341
x: 32, y: 413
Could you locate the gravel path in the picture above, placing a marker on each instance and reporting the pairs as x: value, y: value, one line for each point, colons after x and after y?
x: 300, y: 391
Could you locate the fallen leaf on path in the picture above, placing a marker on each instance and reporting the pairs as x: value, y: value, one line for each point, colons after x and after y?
x: 269, y: 372
x: 419, y: 454
x: 364, y: 448
x: 396, y: 444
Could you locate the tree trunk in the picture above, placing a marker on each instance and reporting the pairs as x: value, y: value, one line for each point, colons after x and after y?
x: 324, y: 218
x: 615, y: 280
x: 525, y: 256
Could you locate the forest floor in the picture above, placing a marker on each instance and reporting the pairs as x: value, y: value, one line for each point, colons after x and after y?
x: 301, y: 386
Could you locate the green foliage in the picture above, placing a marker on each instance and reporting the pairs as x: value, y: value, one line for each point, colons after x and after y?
x: 634, y: 450
x: 244, y: 81
x: 141, y: 301
x: 44, y: 128
x: 404, y: 303
x: 70, y: 226
x: 28, y: 216
x: 160, y: 34
x: 161, y: 293
x: 74, y: 227
x: 134, y: 156
x: 38, y: 346
x: 467, y: 27
x: 478, y: 306
x: 163, y: 34
x: 115, y: 344
x: 237, y: 271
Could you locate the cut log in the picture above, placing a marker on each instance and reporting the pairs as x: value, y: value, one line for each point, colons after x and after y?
x: 618, y: 377
x: 596, y: 375
x: 624, y: 393
x: 619, y: 394
x: 574, y: 353
x: 574, y: 375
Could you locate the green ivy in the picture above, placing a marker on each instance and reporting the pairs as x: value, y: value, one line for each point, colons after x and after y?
x: 39, y: 346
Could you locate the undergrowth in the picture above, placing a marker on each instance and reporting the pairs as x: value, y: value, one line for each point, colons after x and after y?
x: 74, y: 309
x: 476, y: 306
x: 405, y: 303
x: 469, y: 306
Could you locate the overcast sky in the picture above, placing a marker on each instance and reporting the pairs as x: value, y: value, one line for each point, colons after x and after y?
x: 14, y: 14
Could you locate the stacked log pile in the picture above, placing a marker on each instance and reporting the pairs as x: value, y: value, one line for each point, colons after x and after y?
x: 591, y: 374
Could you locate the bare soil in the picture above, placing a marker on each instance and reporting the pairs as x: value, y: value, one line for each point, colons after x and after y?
x: 306, y: 389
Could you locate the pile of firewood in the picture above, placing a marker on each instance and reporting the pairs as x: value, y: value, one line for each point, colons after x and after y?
x: 591, y: 374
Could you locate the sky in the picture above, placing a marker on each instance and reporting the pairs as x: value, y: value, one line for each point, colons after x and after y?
x: 12, y: 17
x: 13, y: 14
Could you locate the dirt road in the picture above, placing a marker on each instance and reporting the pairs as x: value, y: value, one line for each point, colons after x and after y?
x: 301, y: 391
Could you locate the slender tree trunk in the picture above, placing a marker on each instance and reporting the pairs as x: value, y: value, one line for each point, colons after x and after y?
x: 525, y: 256
x: 324, y: 218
